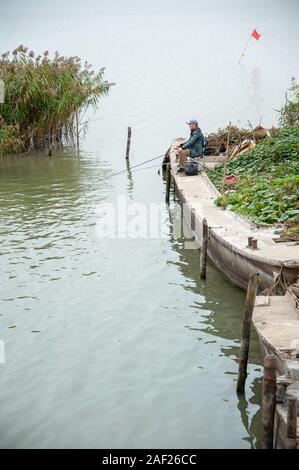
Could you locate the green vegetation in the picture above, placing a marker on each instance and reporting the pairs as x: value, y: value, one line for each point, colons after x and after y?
x: 289, y: 113
x: 43, y: 99
x: 267, y: 191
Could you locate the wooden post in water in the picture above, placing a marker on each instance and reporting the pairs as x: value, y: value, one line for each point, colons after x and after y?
x: 128, y: 143
x: 77, y: 132
x: 254, y: 280
x: 292, y: 417
x: 168, y: 183
x: 204, y: 249
x: 269, y: 400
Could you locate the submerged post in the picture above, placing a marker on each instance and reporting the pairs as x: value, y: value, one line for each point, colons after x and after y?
x: 128, y: 143
x: 269, y: 400
x: 204, y: 249
x: 168, y: 182
x: 254, y: 280
x: 77, y: 131
x: 292, y: 417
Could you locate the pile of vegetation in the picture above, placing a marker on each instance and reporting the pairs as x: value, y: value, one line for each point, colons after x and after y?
x: 44, y: 98
x: 216, y: 142
x: 267, y: 187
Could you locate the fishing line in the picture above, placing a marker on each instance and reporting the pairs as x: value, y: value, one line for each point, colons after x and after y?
x: 130, y: 168
x: 146, y: 168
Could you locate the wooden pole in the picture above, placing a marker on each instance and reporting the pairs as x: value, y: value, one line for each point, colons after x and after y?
x: 254, y: 280
x: 269, y: 400
x: 168, y: 182
x: 292, y: 417
x: 77, y: 131
x: 128, y: 143
x: 226, y: 157
x: 204, y: 249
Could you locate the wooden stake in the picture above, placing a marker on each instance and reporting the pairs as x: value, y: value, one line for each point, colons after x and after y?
x: 292, y: 417
x: 77, y: 131
x: 168, y: 182
x: 204, y: 249
x: 226, y: 157
x: 128, y: 143
x: 254, y: 280
x: 269, y: 400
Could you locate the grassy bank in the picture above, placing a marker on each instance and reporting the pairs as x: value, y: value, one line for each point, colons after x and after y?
x: 267, y: 190
x: 43, y: 98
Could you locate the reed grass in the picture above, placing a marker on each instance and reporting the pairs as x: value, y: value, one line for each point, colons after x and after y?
x: 42, y: 98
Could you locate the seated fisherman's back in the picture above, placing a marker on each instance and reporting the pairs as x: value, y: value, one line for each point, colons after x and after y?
x: 193, y: 147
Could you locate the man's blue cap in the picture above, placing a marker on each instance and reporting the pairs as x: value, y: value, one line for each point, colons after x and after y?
x: 192, y: 121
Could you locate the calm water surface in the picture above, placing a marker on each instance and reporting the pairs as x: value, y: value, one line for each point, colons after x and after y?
x: 118, y: 343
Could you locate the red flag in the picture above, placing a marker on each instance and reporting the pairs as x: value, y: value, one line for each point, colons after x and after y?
x: 255, y: 34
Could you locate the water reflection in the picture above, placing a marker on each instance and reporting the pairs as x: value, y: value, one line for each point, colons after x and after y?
x: 47, y: 211
x: 130, y: 186
x: 252, y: 424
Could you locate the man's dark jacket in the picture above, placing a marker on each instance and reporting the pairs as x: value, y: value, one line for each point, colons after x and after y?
x: 195, y: 143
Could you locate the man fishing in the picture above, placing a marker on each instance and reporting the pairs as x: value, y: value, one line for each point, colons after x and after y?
x: 193, y: 147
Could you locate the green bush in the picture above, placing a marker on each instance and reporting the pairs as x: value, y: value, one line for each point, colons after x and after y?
x: 268, y: 188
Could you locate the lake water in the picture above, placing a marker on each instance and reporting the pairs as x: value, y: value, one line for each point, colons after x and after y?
x: 117, y: 342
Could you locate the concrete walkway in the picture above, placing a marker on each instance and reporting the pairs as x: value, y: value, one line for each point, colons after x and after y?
x: 276, y: 321
x: 200, y: 192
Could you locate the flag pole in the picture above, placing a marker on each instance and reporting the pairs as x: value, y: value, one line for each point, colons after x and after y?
x: 245, y: 47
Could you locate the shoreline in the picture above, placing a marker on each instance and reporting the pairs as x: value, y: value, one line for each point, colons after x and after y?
x: 229, y: 232
x: 275, y: 318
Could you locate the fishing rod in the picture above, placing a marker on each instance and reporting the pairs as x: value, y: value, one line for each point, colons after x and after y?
x: 130, y: 168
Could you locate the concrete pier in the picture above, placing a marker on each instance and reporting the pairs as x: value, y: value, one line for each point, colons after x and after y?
x: 228, y: 233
